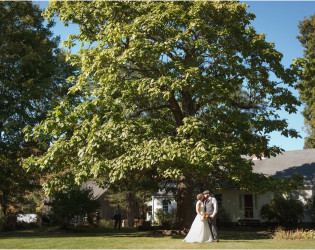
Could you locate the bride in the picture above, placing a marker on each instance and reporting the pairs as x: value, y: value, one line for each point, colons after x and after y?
x: 199, y: 231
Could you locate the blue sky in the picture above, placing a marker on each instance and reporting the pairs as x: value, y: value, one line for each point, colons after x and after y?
x: 279, y: 21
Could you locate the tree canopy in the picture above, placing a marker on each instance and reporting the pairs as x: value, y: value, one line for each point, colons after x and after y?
x: 176, y: 91
x: 307, y: 74
x: 32, y: 78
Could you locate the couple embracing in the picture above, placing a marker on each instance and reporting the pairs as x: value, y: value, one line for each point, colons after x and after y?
x: 204, y: 228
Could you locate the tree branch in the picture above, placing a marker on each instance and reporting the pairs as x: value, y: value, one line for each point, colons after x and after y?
x: 139, y: 112
x: 188, y: 104
x: 249, y: 105
x: 176, y: 110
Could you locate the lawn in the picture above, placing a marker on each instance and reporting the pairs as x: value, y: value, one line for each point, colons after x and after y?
x: 129, y: 238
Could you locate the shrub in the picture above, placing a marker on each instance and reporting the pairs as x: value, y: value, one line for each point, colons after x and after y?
x: 166, y: 219
x: 310, y: 208
x: 106, y: 223
x: 284, y: 212
x: 146, y: 225
x: 2, y: 220
x: 76, y: 202
x: 26, y: 225
x: 223, y: 218
x: 10, y: 222
x: 298, y: 234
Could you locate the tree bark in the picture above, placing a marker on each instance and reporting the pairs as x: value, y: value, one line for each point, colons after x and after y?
x: 176, y: 110
x: 4, y: 209
x: 184, y: 213
x: 131, y: 208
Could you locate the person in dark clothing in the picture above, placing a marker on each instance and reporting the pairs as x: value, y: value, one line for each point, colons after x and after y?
x: 117, y: 217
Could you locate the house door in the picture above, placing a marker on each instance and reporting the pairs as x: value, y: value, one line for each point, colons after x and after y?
x: 249, y: 206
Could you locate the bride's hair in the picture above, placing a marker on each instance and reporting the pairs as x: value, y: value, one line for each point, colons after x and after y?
x: 199, y: 196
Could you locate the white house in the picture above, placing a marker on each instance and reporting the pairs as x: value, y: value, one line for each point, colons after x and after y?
x: 160, y: 200
x: 241, y: 205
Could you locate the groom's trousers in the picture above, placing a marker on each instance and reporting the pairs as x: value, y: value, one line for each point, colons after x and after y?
x: 213, y: 228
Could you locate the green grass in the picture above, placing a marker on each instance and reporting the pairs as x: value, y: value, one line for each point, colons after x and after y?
x: 129, y: 238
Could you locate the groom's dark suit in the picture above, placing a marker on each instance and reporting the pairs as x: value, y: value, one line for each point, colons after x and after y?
x: 211, y: 207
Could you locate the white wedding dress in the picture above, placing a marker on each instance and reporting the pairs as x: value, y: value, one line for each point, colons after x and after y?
x: 199, y: 231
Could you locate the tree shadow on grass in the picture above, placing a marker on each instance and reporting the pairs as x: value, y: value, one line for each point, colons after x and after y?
x: 236, y: 236
x: 245, y: 236
x: 50, y: 232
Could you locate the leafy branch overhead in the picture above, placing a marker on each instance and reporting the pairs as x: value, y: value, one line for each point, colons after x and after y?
x: 33, y: 76
x: 169, y: 89
x: 307, y: 77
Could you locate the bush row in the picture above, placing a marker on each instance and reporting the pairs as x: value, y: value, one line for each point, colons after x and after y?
x: 298, y: 234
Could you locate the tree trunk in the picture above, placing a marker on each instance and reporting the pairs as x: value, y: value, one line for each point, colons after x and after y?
x: 131, y: 207
x: 4, y: 209
x: 184, y: 214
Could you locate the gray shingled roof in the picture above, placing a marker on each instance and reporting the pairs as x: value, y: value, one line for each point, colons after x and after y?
x: 97, y: 191
x: 288, y: 163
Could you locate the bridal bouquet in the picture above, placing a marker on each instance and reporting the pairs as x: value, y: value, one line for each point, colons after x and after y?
x: 204, y: 216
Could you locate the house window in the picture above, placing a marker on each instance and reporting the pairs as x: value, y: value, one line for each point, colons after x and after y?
x: 249, y: 206
x: 165, y: 205
x: 294, y: 196
x: 218, y: 197
x: 150, y: 210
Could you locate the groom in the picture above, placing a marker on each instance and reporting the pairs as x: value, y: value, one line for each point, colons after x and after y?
x: 211, y: 208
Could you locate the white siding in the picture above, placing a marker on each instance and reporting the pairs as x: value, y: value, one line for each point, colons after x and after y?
x: 233, y: 202
x: 156, y: 204
x: 303, y: 195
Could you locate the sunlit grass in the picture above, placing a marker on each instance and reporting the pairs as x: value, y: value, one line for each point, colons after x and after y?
x: 131, y: 238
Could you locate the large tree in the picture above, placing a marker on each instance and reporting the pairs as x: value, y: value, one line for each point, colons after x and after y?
x: 307, y: 74
x: 32, y: 78
x: 172, y: 91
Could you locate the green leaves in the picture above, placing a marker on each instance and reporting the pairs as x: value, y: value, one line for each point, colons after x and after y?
x: 33, y: 76
x: 168, y: 89
x: 306, y: 68
x: 67, y: 204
